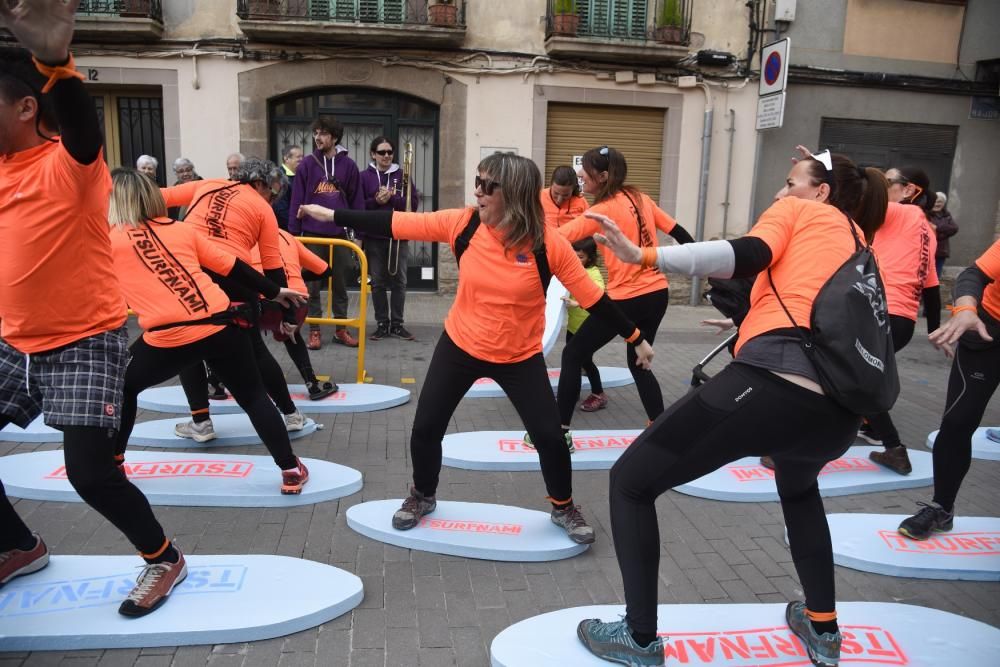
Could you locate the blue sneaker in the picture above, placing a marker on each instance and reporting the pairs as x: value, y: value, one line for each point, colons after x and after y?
x: 823, y: 650
x: 613, y: 642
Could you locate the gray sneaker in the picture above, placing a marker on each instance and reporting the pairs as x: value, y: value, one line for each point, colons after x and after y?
x: 823, y: 650
x: 613, y: 642
x: 575, y: 525
x: 414, y: 507
x: 197, y: 431
x: 526, y: 440
x: 295, y: 421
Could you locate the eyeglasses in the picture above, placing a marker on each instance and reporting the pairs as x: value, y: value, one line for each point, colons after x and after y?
x: 388, y: 152
x: 486, y: 186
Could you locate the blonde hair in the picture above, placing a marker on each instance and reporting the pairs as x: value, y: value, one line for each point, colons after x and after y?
x: 520, y: 182
x: 134, y: 199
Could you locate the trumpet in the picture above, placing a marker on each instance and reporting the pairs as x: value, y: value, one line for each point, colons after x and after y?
x: 393, y: 259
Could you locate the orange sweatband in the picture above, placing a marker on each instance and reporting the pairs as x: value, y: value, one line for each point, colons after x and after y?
x: 958, y: 309
x: 159, y: 552
x: 634, y: 337
x: 57, y: 73
x: 821, y: 616
x: 648, y: 257
x: 559, y: 502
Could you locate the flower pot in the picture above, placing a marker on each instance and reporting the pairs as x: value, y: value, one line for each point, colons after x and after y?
x: 442, y: 14
x: 565, y: 24
x: 669, y: 34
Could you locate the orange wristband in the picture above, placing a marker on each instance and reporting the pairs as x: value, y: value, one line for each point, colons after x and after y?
x: 821, y: 616
x: 958, y: 309
x: 57, y: 73
x: 648, y: 257
x: 634, y: 337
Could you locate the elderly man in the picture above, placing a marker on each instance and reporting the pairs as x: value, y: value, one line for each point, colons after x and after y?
x: 147, y: 164
x: 233, y: 163
x: 185, y: 173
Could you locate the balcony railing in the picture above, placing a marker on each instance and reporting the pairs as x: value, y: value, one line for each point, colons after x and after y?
x: 119, y: 21
x: 367, y: 12
x: 663, y: 21
x: 144, y: 9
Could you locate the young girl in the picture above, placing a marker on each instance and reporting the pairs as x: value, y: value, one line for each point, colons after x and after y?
x: 586, y: 250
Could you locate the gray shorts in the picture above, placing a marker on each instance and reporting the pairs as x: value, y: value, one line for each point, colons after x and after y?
x: 79, y: 384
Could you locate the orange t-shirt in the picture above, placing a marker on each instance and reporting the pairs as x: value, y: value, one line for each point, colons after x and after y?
x: 160, y: 264
x: 557, y: 216
x: 230, y: 214
x: 809, y: 241
x: 53, y: 242
x: 296, y: 257
x: 499, y: 310
x: 626, y: 280
x: 904, y: 246
x: 989, y: 263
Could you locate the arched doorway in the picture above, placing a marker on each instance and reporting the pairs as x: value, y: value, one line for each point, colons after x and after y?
x: 367, y: 113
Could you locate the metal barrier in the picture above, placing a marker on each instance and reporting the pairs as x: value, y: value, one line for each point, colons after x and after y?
x: 357, y: 322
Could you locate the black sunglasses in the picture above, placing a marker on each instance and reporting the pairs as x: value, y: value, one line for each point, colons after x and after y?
x: 486, y: 186
x: 388, y: 152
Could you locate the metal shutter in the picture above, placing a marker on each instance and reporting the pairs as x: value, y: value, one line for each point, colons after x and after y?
x: 635, y: 131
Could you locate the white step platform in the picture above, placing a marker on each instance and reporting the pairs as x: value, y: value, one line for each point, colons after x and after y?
x: 73, y: 603
x: 740, y: 635
x: 747, y: 481
x: 37, y: 431
x: 195, y: 479
x: 350, y: 398
x: 472, y: 530
x: 232, y: 430
x: 611, y: 376
x: 555, y: 315
x: 505, y: 450
x: 982, y: 446
x: 870, y: 542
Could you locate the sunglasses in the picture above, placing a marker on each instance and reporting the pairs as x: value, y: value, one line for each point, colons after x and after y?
x: 486, y: 186
x: 826, y: 160
x: 388, y: 152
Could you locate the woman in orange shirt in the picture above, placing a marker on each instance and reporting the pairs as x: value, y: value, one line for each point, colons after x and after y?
x: 641, y: 292
x: 505, y: 255
x: 562, y: 201
x: 185, y: 316
x: 802, y: 239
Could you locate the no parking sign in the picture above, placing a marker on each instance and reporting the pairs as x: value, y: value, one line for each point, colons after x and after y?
x: 773, y: 79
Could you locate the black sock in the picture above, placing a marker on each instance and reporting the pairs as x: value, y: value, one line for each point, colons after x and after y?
x: 822, y: 627
x: 562, y: 507
x: 169, y: 555
x: 199, y: 417
x: 28, y: 543
x: 950, y: 509
x: 643, y: 639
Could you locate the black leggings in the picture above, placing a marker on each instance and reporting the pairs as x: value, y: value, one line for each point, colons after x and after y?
x: 451, y: 373
x: 88, y: 452
x: 590, y: 368
x: 973, y: 381
x: 230, y: 354
x: 299, y: 354
x: 730, y: 417
x: 902, y: 332
x: 647, y: 311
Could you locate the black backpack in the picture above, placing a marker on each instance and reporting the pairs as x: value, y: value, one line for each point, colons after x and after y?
x: 849, y: 340
x: 541, y: 259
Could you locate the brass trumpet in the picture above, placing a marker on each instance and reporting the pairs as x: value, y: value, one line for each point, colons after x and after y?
x: 393, y: 260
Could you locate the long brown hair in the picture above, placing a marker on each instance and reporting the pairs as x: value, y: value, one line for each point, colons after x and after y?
x: 520, y: 181
x: 612, y: 161
x: 861, y: 193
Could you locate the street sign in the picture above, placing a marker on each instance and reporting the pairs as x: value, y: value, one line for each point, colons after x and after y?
x: 774, y: 67
x: 771, y: 111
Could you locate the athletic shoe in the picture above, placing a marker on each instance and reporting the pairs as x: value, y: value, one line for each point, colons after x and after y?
x: 569, y: 442
x: 295, y: 421
x: 894, y: 458
x: 217, y: 392
x: 154, y: 585
x: 931, y: 519
x: 197, y: 431
x: 18, y: 562
x: 594, y: 402
x: 414, y: 507
x: 319, y: 390
x: 613, y: 642
x: 867, y: 433
x: 381, y: 331
x: 294, y: 479
x: 993, y: 434
x: 344, y: 337
x: 573, y: 522
x: 399, y: 331
x: 315, y: 341
x: 823, y: 649
x: 767, y: 462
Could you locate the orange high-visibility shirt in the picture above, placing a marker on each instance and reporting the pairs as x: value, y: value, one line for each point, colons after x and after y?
x: 557, y: 216
x: 296, y: 257
x: 904, y: 246
x: 989, y: 263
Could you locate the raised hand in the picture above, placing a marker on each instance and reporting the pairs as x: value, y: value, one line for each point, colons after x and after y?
x: 44, y: 27
x: 615, y: 240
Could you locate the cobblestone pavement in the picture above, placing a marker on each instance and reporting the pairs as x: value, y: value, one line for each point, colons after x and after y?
x: 425, y: 609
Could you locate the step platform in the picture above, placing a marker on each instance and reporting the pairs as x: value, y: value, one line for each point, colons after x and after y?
x: 983, y: 447
x: 472, y: 530
x: 611, y: 376
x: 505, y: 450
x: 196, y: 479
x: 73, y: 603
x: 747, y: 481
x: 350, y: 398
x: 232, y: 430
x: 555, y: 315
x: 870, y: 542
x: 740, y: 635
x: 37, y: 431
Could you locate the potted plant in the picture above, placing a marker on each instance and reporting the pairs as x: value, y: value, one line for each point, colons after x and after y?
x: 565, y: 20
x: 443, y: 12
x: 669, y: 23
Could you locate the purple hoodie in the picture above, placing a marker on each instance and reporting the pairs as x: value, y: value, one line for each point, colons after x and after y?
x: 372, y: 179
x: 333, y: 183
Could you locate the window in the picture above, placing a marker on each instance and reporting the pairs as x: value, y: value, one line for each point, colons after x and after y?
x: 624, y: 19
x: 133, y: 126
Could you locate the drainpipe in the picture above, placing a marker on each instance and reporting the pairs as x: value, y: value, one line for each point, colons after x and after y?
x: 729, y: 172
x: 706, y: 158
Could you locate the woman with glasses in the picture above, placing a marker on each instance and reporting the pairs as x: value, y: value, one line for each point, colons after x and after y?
x: 803, y: 238
x: 641, y: 293
x: 905, y: 246
x: 505, y: 254
x: 562, y: 201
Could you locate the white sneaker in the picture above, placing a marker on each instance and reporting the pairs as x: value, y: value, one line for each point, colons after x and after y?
x: 199, y: 432
x: 295, y: 421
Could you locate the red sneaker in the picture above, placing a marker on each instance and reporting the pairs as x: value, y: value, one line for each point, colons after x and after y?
x: 17, y: 562
x: 315, y: 341
x: 345, y: 338
x: 293, y: 480
x: 594, y: 402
